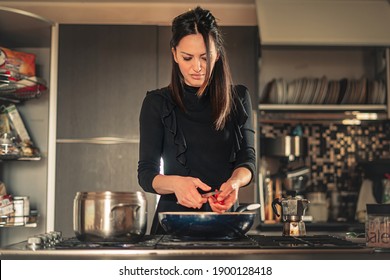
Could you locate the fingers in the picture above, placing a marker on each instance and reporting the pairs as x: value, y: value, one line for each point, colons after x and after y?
x: 227, y: 189
x: 224, y: 200
x: 190, y: 197
x: 194, y: 201
x: 190, y: 203
x: 199, y: 184
x: 216, y: 206
x: 223, y: 195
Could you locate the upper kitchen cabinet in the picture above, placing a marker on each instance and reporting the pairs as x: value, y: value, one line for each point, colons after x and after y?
x: 25, y: 32
x: 324, y: 56
x: 324, y: 22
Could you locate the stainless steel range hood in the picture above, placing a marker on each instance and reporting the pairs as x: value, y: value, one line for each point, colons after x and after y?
x: 324, y: 22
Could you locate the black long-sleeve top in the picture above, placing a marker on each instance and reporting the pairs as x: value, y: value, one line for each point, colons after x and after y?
x: 188, y: 143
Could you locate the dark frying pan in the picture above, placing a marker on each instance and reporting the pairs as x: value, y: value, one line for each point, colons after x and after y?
x: 209, y: 225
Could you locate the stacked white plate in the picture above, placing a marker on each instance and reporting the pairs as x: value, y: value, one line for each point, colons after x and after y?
x: 324, y: 91
x: 376, y: 92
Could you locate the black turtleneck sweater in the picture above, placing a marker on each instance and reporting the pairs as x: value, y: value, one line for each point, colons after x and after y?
x: 188, y: 143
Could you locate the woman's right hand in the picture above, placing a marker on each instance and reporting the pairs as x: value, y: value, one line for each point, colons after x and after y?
x: 186, y: 191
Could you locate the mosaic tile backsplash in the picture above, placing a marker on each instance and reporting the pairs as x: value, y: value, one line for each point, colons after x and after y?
x: 335, y: 149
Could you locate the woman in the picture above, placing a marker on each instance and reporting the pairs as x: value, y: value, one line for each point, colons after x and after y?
x: 200, y: 125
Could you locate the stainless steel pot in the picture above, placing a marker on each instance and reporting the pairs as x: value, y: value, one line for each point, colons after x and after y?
x: 109, y: 216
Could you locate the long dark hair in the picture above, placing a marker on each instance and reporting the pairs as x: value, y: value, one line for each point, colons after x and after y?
x: 219, y: 83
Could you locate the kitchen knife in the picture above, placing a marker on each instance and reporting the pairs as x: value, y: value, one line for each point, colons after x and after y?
x: 207, y: 195
x: 210, y: 193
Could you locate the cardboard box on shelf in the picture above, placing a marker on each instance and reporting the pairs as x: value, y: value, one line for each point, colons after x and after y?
x: 22, y: 137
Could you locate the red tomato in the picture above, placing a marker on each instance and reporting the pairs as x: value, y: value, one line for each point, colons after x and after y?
x: 220, y: 202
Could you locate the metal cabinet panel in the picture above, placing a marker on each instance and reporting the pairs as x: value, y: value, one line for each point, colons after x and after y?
x: 104, y: 73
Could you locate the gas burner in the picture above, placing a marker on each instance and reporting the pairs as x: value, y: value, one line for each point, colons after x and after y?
x: 86, y: 246
x: 172, y: 242
x: 146, y: 242
x: 285, y: 244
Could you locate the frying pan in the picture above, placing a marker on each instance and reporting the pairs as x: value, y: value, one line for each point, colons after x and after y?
x: 209, y: 225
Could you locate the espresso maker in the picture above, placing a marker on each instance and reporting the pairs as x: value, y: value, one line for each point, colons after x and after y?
x: 293, y: 209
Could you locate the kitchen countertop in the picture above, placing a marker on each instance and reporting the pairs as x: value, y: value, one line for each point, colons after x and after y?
x: 18, y: 251
x: 258, y: 254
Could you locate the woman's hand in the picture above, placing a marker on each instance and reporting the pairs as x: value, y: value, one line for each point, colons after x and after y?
x: 185, y: 189
x: 226, y: 198
x: 229, y: 190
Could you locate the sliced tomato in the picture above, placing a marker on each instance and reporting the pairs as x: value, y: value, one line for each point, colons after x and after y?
x: 220, y: 202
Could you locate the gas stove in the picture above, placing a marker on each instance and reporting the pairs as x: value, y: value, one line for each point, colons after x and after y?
x: 151, y: 242
x: 251, y: 246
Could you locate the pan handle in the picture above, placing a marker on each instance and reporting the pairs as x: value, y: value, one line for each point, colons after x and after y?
x: 276, y: 201
x: 248, y: 207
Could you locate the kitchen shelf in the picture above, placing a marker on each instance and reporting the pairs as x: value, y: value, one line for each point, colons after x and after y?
x: 10, y: 225
x: 26, y: 32
x: 19, y: 97
x: 350, y: 114
x: 317, y: 116
x: 16, y: 88
x: 6, y: 223
x: 325, y: 107
x: 296, y: 65
x: 35, y: 158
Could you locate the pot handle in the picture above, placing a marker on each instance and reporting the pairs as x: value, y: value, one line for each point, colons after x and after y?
x: 135, y: 208
x: 276, y: 201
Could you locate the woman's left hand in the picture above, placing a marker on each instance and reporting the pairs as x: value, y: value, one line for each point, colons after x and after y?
x: 226, y: 198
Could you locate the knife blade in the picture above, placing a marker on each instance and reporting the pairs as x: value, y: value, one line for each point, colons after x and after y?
x: 210, y: 193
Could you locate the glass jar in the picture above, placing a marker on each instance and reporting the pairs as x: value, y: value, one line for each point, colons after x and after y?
x: 378, y: 225
x: 8, y: 149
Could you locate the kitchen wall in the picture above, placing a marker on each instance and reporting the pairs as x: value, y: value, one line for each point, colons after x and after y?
x: 334, y: 150
x: 334, y: 153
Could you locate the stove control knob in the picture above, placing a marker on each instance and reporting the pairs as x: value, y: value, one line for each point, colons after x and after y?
x: 34, y: 242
